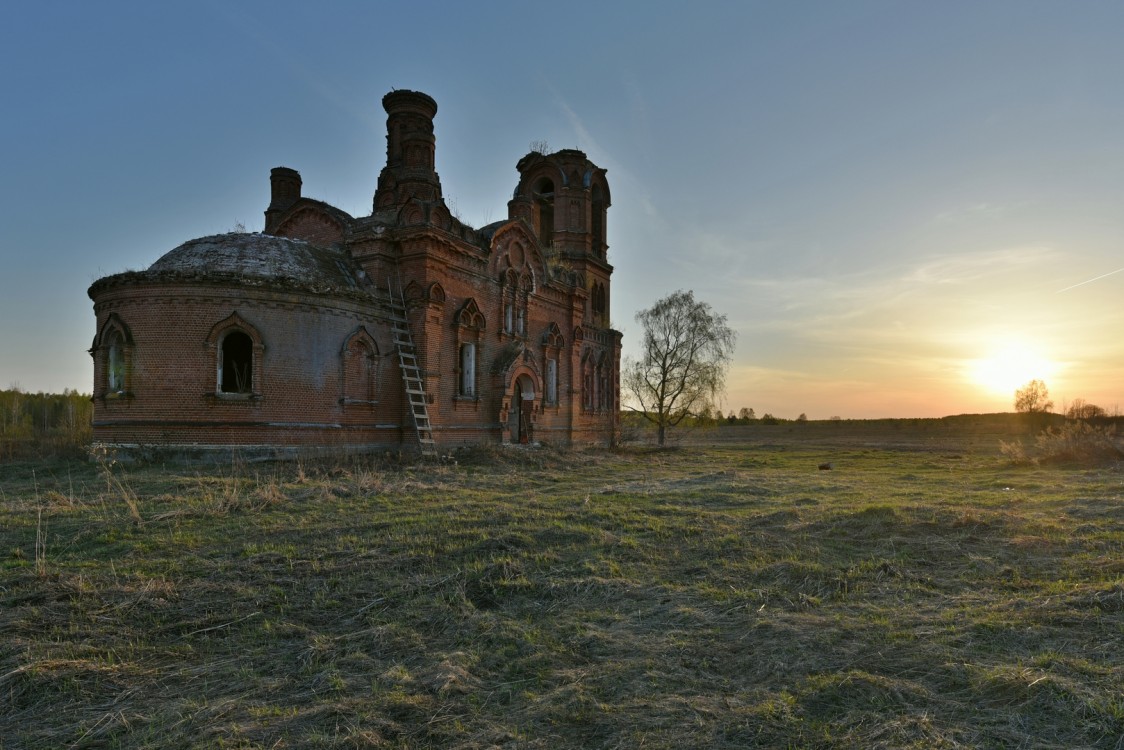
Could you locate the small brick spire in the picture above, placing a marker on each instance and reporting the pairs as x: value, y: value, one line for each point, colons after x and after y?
x: 284, y: 191
x: 410, y: 145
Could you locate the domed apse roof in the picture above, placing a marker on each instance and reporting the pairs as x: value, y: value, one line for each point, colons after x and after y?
x: 260, y: 256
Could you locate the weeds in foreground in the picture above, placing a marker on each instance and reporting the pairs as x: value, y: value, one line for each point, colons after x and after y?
x: 40, y: 544
x: 1075, y: 442
x: 115, y: 486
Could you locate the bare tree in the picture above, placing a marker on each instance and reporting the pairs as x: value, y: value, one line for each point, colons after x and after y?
x: 1033, y: 398
x: 1082, y: 409
x: 686, y: 350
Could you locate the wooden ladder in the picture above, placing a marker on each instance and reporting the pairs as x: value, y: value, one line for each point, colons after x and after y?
x: 411, y: 375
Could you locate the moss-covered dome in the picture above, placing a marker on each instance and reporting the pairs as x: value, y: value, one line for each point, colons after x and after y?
x: 260, y: 256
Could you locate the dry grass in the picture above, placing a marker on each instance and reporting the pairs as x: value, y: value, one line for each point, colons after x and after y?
x: 730, y: 596
x: 1074, y: 442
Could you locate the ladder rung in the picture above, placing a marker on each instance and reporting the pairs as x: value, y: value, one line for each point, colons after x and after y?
x: 416, y: 396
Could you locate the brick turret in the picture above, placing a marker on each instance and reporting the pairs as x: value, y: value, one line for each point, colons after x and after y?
x: 409, y: 172
x: 564, y: 197
x: 284, y: 191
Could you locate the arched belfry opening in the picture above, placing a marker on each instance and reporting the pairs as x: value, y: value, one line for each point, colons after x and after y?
x: 597, y: 221
x: 544, y: 210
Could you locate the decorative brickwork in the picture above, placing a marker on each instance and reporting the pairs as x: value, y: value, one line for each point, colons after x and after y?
x: 284, y: 341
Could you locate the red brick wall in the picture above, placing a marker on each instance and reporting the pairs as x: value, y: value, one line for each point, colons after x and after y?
x: 173, y: 379
x: 313, y: 226
x: 470, y: 274
x: 173, y: 376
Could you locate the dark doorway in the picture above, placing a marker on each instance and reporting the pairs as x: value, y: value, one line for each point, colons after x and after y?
x: 523, y: 406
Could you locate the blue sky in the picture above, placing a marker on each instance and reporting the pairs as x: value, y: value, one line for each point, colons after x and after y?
x: 905, y: 209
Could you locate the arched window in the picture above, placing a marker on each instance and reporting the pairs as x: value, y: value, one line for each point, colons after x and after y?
x: 510, y: 295
x: 598, y: 302
x: 552, y: 343
x: 115, y: 363
x: 113, y: 359
x: 238, y: 351
x: 551, y: 395
x: 469, y: 326
x: 468, y: 370
x: 236, y: 363
x: 522, y: 296
x: 359, y: 368
x: 587, y: 382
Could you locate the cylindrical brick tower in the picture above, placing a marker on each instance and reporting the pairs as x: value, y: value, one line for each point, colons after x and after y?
x: 409, y: 172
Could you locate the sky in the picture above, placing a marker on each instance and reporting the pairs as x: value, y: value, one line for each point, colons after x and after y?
x: 904, y: 209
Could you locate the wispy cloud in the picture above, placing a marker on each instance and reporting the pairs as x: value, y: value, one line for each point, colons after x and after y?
x: 977, y: 211
x: 585, y: 139
x: 622, y: 177
x: 961, y: 268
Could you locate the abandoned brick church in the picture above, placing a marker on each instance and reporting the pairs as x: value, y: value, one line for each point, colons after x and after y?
x: 402, y: 329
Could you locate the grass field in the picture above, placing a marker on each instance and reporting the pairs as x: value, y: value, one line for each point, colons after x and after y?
x: 924, y: 593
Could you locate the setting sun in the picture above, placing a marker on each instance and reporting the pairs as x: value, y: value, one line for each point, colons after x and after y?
x: 1010, y: 367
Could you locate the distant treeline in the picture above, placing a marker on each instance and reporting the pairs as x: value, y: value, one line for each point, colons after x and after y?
x: 44, y: 424
x: 723, y: 427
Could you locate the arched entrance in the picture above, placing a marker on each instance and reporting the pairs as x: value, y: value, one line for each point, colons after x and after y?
x: 520, y: 417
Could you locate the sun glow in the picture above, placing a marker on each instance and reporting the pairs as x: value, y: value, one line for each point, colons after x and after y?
x: 1011, y: 366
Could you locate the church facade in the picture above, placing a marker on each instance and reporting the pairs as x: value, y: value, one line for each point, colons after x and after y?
x: 404, y: 329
